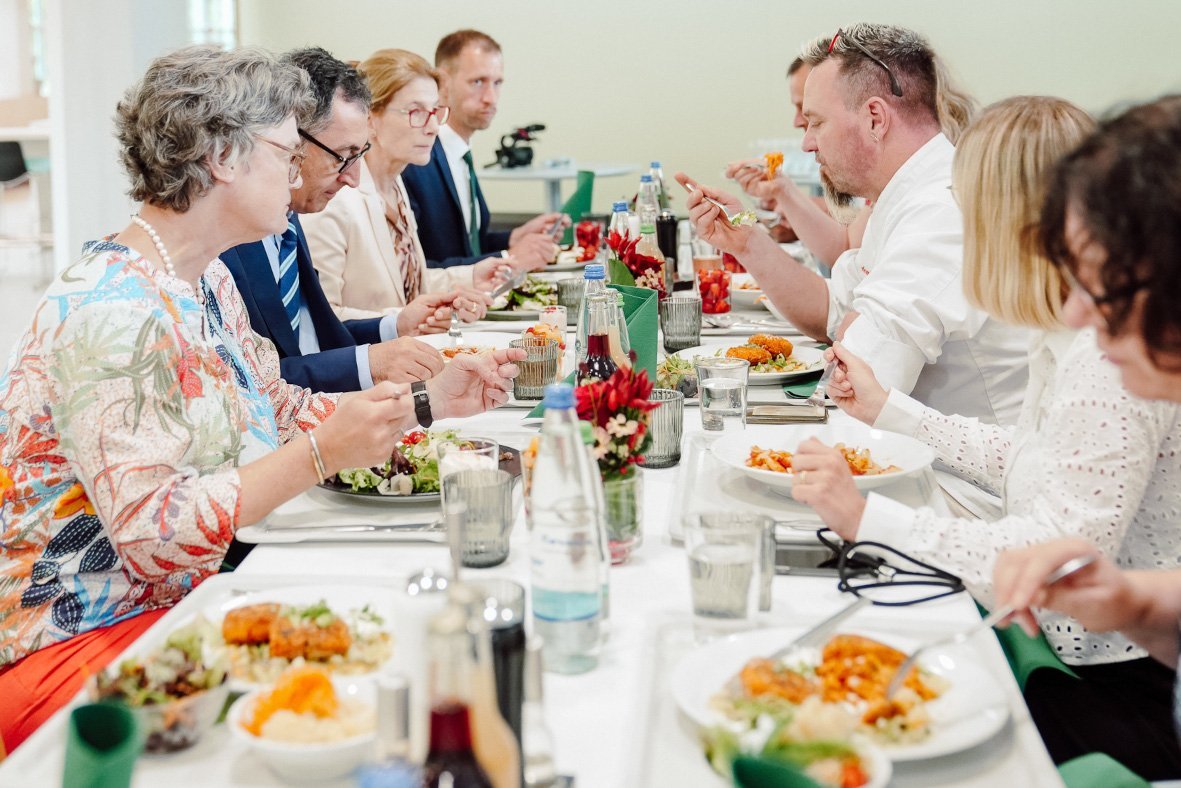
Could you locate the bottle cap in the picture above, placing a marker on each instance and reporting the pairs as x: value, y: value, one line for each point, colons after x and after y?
x: 645, y: 178
x: 655, y: 165
x: 558, y: 395
x: 619, y: 206
x: 594, y: 271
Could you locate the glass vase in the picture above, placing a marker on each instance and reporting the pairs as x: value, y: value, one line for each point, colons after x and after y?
x: 623, y: 499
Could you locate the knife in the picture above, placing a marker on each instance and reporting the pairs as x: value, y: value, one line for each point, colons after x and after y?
x: 817, y: 634
x: 507, y: 285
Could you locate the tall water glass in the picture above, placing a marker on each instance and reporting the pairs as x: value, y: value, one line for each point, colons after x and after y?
x: 725, y: 572
x: 680, y: 322
x: 722, y: 387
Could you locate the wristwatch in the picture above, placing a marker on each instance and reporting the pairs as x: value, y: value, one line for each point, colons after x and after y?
x: 422, y: 404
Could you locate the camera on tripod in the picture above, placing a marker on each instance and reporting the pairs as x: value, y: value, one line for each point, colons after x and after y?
x: 513, y: 150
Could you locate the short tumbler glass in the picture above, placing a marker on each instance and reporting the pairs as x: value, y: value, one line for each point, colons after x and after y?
x: 570, y: 292
x: 666, y: 423
x: 722, y: 386
x: 680, y: 322
x: 539, y: 368
x: 482, y: 501
x: 726, y: 568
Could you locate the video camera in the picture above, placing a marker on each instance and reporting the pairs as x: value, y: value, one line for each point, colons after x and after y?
x: 513, y: 152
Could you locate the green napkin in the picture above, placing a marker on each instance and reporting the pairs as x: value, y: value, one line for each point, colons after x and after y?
x: 1099, y: 770
x: 102, y: 744
x: 639, y: 311
x: 1026, y: 654
x: 752, y: 772
x: 801, y: 389
x: 579, y: 203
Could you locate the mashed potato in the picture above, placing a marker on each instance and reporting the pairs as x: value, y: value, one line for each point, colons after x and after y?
x: 353, y: 718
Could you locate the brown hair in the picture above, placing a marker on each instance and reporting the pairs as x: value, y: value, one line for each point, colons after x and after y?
x: 1002, y: 167
x: 389, y: 70
x: 909, y: 56
x: 451, y: 45
x: 1124, y: 184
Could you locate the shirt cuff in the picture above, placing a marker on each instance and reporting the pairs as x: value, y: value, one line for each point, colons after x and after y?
x: 901, y: 413
x: 896, y: 364
x: 363, y: 374
x: 387, y: 329
x: 885, y: 521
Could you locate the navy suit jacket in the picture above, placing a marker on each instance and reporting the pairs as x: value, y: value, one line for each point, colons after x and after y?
x: 436, y: 207
x: 334, y: 368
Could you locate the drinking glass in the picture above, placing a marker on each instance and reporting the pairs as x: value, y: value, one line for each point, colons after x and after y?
x: 680, y: 322
x: 503, y: 609
x: 570, y: 292
x: 665, y: 426
x: 725, y: 571
x: 481, y: 502
x: 558, y: 317
x: 722, y: 386
x: 539, y: 368
x: 464, y: 454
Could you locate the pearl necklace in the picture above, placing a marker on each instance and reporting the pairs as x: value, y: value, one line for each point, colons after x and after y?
x: 151, y: 231
x: 169, y: 268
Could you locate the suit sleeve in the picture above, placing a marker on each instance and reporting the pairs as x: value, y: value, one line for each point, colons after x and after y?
x: 365, y: 332
x: 328, y: 370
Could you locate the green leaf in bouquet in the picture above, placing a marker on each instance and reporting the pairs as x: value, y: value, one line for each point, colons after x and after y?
x: 618, y: 274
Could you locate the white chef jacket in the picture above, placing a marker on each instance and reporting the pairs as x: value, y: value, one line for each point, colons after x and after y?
x: 916, y: 328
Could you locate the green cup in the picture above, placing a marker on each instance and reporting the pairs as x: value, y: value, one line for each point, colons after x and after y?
x: 102, y: 745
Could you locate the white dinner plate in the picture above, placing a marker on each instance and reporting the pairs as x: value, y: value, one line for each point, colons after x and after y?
x: 341, y: 599
x: 971, y: 711
x: 812, y: 357
x: 886, y: 448
x: 741, y: 297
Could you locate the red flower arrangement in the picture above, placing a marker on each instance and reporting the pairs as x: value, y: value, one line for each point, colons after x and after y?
x: 648, y: 271
x: 617, y: 409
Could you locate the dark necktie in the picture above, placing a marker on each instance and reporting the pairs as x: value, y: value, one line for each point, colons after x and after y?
x: 473, y: 228
x: 289, y: 276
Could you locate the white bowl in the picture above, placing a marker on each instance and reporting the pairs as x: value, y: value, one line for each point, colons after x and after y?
x: 740, y: 297
x: 886, y: 448
x: 303, y: 762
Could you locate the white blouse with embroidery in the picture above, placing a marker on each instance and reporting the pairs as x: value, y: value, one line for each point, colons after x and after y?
x: 1086, y: 458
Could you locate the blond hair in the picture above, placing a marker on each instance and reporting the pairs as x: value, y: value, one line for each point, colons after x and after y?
x: 1002, y: 167
x: 389, y: 70
x: 954, y: 107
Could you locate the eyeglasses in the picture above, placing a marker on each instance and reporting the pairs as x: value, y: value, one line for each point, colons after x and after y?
x: 418, y: 117
x: 344, y: 161
x: 297, y: 157
x: 895, y: 88
x: 888, y: 577
x: 1103, y: 304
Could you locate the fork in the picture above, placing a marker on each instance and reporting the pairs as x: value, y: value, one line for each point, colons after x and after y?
x: 711, y: 201
x: 998, y: 615
x: 453, y: 332
x: 820, y: 393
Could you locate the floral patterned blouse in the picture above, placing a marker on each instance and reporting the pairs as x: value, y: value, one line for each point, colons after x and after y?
x: 125, y: 411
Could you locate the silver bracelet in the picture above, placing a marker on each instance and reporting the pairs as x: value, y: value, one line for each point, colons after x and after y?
x: 316, y: 459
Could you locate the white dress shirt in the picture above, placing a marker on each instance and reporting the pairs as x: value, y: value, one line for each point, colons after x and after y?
x: 308, y: 341
x: 454, y: 147
x: 1085, y: 459
x: 916, y: 328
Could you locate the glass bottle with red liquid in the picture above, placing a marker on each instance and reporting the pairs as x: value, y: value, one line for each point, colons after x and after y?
x: 598, y: 364
x: 451, y: 759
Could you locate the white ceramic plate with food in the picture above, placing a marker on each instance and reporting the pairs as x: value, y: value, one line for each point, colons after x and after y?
x: 364, y: 611
x: 812, y: 360
x: 744, y: 291
x: 885, y: 449
x: 970, y: 711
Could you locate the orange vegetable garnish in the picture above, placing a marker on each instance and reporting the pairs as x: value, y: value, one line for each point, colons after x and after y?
x: 300, y: 690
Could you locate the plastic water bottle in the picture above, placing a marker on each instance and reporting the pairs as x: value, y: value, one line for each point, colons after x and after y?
x: 657, y: 173
x: 596, y: 282
x: 564, y: 551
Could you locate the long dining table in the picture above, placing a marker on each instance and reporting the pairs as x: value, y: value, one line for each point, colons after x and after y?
x: 618, y: 724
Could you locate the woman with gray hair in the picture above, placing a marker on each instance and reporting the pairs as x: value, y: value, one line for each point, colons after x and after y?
x: 141, y: 421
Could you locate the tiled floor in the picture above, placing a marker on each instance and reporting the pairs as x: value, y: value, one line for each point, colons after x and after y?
x: 21, y: 279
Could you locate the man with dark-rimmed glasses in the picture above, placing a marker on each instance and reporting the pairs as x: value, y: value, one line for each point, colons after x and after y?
x: 278, y: 281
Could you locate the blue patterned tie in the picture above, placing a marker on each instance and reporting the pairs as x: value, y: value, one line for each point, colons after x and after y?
x: 289, y: 276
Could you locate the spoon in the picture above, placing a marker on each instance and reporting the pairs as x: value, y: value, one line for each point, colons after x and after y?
x: 1000, y: 614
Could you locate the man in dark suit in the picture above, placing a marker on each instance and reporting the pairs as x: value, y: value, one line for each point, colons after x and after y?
x: 445, y: 194
x: 277, y: 279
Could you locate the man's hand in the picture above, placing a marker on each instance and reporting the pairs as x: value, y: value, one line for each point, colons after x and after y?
x: 707, y: 219
x: 472, y: 384
x: 753, y: 180
x: 403, y: 360
x: 822, y: 480
x: 543, y: 224
x: 532, y: 252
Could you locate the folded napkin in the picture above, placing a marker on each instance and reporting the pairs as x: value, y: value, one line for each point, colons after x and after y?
x: 752, y: 772
x: 1026, y: 654
x: 1099, y: 770
x: 102, y: 743
x: 801, y: 389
